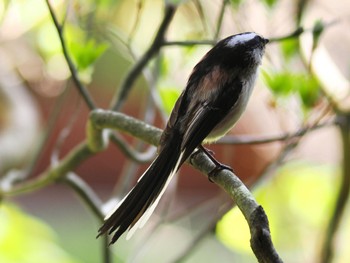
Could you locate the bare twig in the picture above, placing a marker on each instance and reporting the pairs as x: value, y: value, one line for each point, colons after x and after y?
x: 212, y: 221
x: 240, y: 139
x: 131, y: 77
x: 131, y: 153
x: 220, y: 18
x: 343, y: 194
x: 190, y: 43
x: 88, y: 196
x: 200, y: 10
x: 83, y: 190
x: 140, y: 5
x: 52, y: 174
x: 296, y: 33
x: 81, y: 88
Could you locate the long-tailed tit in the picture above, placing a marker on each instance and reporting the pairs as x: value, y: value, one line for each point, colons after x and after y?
x: 215, y: 96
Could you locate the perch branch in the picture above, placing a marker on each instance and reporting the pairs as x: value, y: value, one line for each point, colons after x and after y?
x: 258, y: 223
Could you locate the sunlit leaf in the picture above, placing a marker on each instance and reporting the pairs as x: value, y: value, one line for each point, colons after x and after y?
x: 317, y: 30
x: 290, y: 47
x: 236, y: 3
x: 288, y: 83
x: 25, y: 239
x: 309, y: 91
x: 231, y: 235
x: 169, y: 95
x: 270, y: 3
x: 297, y: 201
x: 85, y: 54
x: 281, y: 84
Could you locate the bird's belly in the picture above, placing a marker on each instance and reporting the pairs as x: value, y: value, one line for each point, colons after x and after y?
x: 235, y: 113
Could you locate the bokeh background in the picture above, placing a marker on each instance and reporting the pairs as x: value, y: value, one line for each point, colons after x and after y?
x: 43, y: 117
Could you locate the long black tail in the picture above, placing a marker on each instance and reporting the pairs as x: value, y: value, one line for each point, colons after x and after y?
x: 135, y: 209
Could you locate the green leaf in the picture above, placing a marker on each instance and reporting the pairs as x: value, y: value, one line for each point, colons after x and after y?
x: 317, y: 31
x: 309, y: 91
x: 297, y: 201
x: 286, y: 83
x: 25, y: 239
x: 270, y: 3
x: 290, y: 47
x: 86, y: 53
x: 169, y: 95
x: 236, y: 3
x: 281, y: 84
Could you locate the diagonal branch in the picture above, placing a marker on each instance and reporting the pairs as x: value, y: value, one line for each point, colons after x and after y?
x: 246, y: 139
x: 327, y: 250
x: 130, y: 79
x: 81, y: 88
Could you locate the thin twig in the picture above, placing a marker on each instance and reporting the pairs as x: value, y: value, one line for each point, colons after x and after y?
x: 300, y: 30
x: 327, y: 249
x: 203, y: 233
x: 245, y: 139
x: 88, y: 196
x: 199, y: 8
x: 83, y: 190
x: 297, y: 32
x: 131, y: 77
x: 189, y: 43
x: 53, y: 116
x: 130, y: 153
x: 220, y: 19
x: 52, y: 174
x: 140, y: 5
x: 81, y: 88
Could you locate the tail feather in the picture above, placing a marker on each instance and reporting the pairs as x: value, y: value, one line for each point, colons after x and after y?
x: 136, y: 208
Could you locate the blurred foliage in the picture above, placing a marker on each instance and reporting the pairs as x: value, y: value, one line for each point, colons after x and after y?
x: 317, y: 31
x: 270, y: 3
x: 169, y: 95
x: 290, y: 48
x: 297, y: 200
x: 26, y: 239
x: 286, y: 83
x: 297, y: 213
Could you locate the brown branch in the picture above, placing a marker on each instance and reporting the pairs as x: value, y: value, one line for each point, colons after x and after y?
x: 81, y: 88
x: 220, y: 18
x: 246, y: 139
x: 343, y: 194
x: 254, y: 214
x: 260, y: 233
x: 190, y: 43
x: 128, y: 82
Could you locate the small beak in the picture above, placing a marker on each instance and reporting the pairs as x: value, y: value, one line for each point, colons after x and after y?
x: 265, y: 40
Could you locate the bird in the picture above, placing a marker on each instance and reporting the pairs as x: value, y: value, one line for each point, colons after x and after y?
x: 213, y: 100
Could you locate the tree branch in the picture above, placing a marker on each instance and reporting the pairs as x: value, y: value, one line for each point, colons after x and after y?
x: 246, y: 139
x: 94, y: 204
x: 81, y: 88
x: 343, y: 194
x: 136, y: 70
x: 51, y: 174
x: 258, y: 223
x: 260, y: 241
